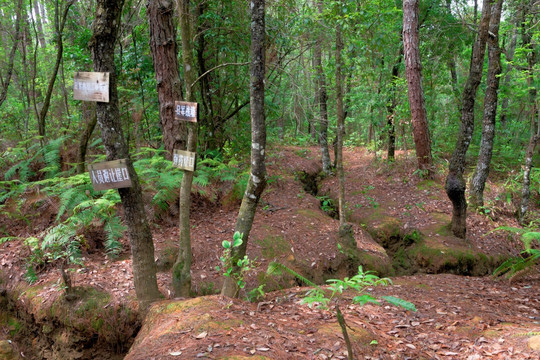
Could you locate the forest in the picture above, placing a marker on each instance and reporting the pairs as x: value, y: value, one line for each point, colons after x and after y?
x: 269, y: 179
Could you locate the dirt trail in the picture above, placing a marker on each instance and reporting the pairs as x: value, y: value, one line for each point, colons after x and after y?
x: 399, y: 222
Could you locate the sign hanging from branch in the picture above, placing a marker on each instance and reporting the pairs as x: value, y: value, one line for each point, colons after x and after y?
x: 109, y: 175
x: 91, y: 86
x: 184, y: 160
x: 185, y: 111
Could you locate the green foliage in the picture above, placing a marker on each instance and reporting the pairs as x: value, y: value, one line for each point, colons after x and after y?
x: 232, y: 267
x: 529, y: 258
x: 359, y: 283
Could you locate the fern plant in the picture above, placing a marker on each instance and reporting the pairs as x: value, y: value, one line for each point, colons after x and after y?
x: 530, y: 257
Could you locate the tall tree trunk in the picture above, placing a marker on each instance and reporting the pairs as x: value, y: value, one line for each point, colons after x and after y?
x: 16, y: 37
x: 322, y: 96
x: 38, y: 15
x: 455, y: 183
x: 59, y: 27
x: 532, y: 60
x: 391, y: 107
x: 165, y: 56
x: 481, y: 172
x: 257, y: 179
x: 340, y: 125
x: 181, y: 272
x: 413, y: 71
x: 102, y: 44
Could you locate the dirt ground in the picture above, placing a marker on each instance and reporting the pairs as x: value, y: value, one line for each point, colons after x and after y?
x: 457, y: 317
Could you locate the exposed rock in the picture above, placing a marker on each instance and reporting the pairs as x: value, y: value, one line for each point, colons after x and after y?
x: 534, y: 343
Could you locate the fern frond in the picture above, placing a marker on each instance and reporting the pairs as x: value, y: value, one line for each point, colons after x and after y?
x: 530, y: 333
x: 114, y: 230
x: 277, y: 268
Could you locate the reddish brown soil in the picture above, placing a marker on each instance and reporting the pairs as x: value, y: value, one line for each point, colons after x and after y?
x: 457, y: 318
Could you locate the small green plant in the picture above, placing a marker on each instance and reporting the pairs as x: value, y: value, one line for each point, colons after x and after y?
x: 256, y: 294
x: 360, y: 282
x: 228, y: 264
x: 530, y: 257
x: 374, y: 204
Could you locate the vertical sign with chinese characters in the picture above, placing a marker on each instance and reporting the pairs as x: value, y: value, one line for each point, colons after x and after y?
x: 186, y: 111
x: 109, y: 175
x: 184, y: 160
x: 91, y: 86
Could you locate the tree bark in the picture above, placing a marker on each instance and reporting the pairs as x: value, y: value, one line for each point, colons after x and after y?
x: 165, y: 57
x: 257, y: 179
x: 16, y: 37
x: 413, y: 71
x: 102, y: 44
x: 455, y: 183
x: 481, y: 172
x: 340, y: 125
x: 322, y: 96
x: 181, y: 272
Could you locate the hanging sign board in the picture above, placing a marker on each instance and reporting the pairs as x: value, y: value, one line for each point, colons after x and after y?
x: 91, y: 86
x: 185, y: 111
x: 109, y: 175
x: 184, y: 160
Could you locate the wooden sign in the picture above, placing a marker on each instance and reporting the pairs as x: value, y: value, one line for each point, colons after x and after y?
x: 91, y: 86
x: 185, y: 111
x: 109, y: 175
x: 184, y: 160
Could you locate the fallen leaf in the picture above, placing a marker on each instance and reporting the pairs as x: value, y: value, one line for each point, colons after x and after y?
x: 201, y: 335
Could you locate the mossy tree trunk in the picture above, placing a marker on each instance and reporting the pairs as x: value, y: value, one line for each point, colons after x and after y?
x: 455, y: 183
x: 102, y: 44
x: 478, y: 182
x: 181, y: 272
x: 257, y: 179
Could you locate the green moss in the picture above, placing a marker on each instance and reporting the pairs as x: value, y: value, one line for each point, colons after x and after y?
x: 426, y: 184
x: 274, y: 246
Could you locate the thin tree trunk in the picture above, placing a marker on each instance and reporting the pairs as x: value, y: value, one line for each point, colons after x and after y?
x: 391, y: 107
x: 322, y: 96
x: 507, y: 78
x: 455, y: 183
x: 16, y: 37
x: 102, y: 44
x: 59, y: 26
x: 481, y: 173
x: 181, y: 272
x: 38, y: 15
x: 413, y: 71
x: 257, y: 179
x: 340, y: 125
x: 165, y: 57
